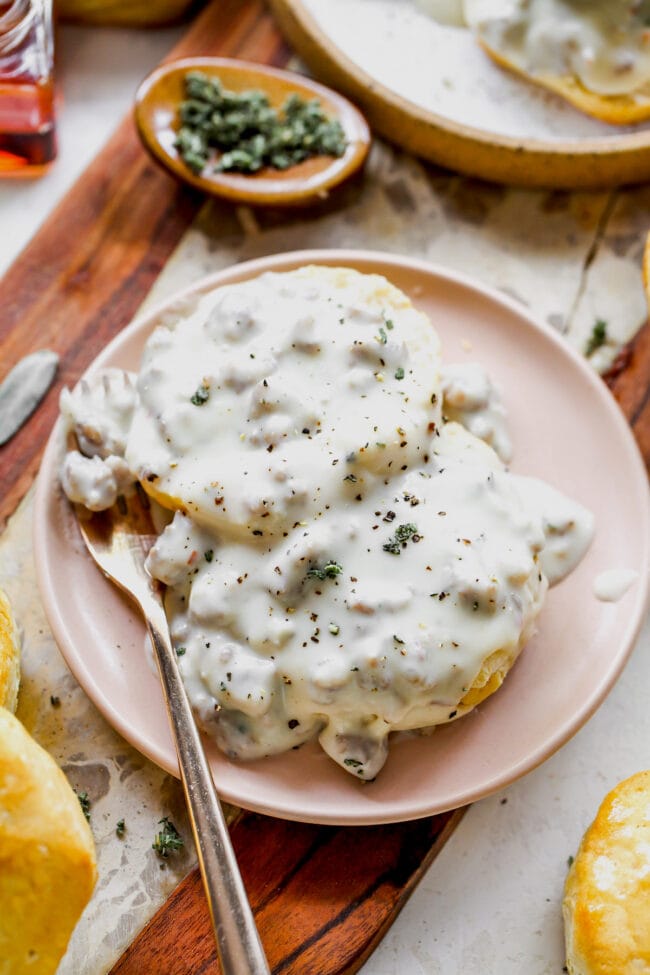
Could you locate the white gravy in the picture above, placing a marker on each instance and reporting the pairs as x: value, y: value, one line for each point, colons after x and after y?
x: 611, y: 585
x: 471, y: 398
x: 342, y: 563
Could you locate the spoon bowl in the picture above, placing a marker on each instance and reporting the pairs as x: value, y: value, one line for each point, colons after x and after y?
x: 158, y: 101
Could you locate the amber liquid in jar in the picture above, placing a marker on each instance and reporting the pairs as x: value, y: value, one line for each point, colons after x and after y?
x: 27, y: 126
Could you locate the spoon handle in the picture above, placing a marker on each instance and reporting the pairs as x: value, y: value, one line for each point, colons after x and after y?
x: 238, y: 943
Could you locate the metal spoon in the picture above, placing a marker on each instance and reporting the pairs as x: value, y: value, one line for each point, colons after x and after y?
x: 118, y: 540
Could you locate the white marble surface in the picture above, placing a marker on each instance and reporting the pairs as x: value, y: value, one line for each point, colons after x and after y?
x: 491, y: 901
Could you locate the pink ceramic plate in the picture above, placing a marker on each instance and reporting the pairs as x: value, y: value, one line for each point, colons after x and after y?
x: 566, y: 428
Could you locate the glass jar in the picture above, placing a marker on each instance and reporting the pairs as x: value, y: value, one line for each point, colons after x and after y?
x: 27, y: 128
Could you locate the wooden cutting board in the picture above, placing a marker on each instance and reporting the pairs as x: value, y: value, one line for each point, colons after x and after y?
x: 323, y: 896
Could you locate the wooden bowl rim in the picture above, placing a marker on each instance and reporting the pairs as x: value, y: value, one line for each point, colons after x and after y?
x: 575, y: 163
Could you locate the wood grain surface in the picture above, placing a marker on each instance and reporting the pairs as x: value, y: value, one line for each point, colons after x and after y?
x: 322, y: 896
x: 629, y: 381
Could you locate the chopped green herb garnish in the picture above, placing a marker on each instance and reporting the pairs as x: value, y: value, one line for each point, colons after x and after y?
x: 403, y: 534
x: 597, y: 338
x: 248, y: 131
x: 181, y: 651
x: 120, y: 829
x: 569, y: 862
x: 334, y: 629
x: 399, y: 373
x: 352, y: 762
x: 201, y: 396
x: 329, y: 571
x: 168, y: 840
x: 55, y: 701
x: 209, y: 555
x: 389, y: 324
x: 382, y: 337
x: 84, y: 802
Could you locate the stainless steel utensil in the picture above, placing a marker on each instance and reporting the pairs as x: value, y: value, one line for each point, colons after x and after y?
x: 118, y: 540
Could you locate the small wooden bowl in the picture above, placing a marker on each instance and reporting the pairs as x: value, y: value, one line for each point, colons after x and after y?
x: 156, y: 115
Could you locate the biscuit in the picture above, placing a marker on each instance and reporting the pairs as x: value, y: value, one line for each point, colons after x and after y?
x: 47, y: 855
x: 173, y: 470
x: 504, y: 27
x: 613, y: 109
x: 607, y: 895
x: 9, y: 656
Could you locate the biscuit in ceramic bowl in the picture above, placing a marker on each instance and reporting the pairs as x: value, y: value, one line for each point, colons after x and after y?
x: 607, y: 895
x: 47, y: 855
x: 596, y: 55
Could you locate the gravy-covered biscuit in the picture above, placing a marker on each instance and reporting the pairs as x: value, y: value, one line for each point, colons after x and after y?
x: 348, y: 554
x: 594, y: 55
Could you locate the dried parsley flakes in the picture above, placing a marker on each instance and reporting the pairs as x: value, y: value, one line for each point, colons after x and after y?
x: 329, y: 571
x: 403, y: 534
x: 201, y: 396
x: 84, y: 802
x: 597, y: 338
x: 168, y: 840
x: 247, y: 131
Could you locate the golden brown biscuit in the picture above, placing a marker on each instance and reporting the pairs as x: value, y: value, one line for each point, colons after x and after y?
x: 593, y: 55
x: 9, y: 656
x: 489, y: 679
x: 47, y: 855
x: 607, y: 895
x: 613, y: 109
